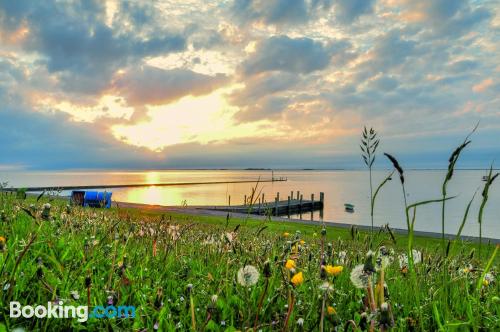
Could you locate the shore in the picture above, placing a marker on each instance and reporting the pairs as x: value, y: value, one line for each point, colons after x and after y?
x: 203, y: 211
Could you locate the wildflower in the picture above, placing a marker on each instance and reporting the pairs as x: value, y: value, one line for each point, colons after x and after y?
x: 214, y: 298
x: 46, y: 211
x: 331, y: 310
x: 2, y: 244
x: 300, y: 322
x: 302, y: 242
x: 248, y: 276
x: 417, y: 256
x: 297, y: 279
x: 489, y: 278
x: 286, y: 234
x: 334, y: 270
x: 359, y: 277
x: 342, y: 257
x: 290, y: 264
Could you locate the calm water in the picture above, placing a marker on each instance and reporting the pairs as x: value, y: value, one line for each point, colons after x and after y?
x: 339, y: 187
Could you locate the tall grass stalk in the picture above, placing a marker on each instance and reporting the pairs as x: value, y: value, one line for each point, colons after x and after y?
x: 369, y: 144
x: 487, y: 185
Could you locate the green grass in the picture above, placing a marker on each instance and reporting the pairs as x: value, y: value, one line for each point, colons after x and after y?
x: 114, y: 249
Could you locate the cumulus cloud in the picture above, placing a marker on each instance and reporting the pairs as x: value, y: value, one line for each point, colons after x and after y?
x: 149, y: 85
x: 296, y: 55
x: 348, y: 11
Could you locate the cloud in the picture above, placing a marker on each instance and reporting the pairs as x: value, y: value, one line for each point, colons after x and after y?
x: 296, y: 55
x: 149, y: 85
x: 271, y: 11
x: 347, y: 11
x: 483, y: 85
x: 75, y: 43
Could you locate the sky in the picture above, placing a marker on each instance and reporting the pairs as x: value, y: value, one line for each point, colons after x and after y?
x: 246, y: 83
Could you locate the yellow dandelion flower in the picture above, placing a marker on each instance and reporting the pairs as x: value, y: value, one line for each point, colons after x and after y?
x: 334, y: 270
x: 297, y: 279
x: 286, y: 234
x: 302, y: 242
x: 290, y: 264
x: 331, y: 310
x: 2, y: 239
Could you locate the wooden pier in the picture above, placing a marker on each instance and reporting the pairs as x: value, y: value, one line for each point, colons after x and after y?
x: 292, y: 205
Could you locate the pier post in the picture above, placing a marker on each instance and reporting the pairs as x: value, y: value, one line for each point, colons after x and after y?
x: 276, y: 205
x: 278, y: 196
x: 312, y: 206
x: 321, y: 197
x: 291, y: 195
x: 229, y: 200
x: 245, y: 201
x: 300, y: 203
x: 263, y: 198
x: 288, y: 207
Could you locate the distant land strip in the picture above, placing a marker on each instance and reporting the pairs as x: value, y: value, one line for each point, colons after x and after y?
x: 133, y: 185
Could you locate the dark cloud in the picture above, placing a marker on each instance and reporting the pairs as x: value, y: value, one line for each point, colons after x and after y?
x: 51, y: 140
x: 76, y: 44
x: 296, y: 55
x: 149, y: 85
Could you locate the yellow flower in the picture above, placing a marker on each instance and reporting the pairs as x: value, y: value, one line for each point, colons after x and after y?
x: 297, y: 279
x: 334, y: 270
x: 2, y: 239
x: 290, y: 264
x: 485, y: 282
x: 331, y: 310
x: 286, y: 234
x: 302, y: 242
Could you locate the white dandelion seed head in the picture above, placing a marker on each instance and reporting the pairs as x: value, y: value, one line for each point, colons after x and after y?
x: 300, y: 321
x: 358, y: 277
x: 489, y: 277
x: 248, y: 276
x: 342, y: 256
x: 214, y: 298
x: 384, y: 306
x: 417, y: 256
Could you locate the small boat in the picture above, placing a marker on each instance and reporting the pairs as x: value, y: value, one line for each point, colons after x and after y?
x: 349, y: 207
x: 485, y: 178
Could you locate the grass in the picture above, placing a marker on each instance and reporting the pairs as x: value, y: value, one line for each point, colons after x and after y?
x: 181, y: 272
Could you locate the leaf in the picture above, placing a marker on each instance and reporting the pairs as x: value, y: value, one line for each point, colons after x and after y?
x: 40, y: 196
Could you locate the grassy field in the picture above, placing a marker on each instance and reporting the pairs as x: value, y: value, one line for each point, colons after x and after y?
x: 216, y: 274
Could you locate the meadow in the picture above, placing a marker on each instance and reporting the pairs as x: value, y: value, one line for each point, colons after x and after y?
x: 214, y: 274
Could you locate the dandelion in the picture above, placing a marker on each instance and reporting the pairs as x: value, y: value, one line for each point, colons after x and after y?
x: 334, y: 270
x: 342, y: 257
x: 214, y: 298
x: 286, y: 234
x: 358, y: 276
x: 302, y: 242
x: 2, y: 244
x: 331, y: 310
x: 248, y: 276
x: 297, y: 279
x: 290, y: 264
x: 300, y: 322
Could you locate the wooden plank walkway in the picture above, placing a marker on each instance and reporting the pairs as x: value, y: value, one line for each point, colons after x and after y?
x: 276, y: 208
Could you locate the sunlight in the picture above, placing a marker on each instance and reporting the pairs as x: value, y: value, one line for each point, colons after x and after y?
x: 202, y: 120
